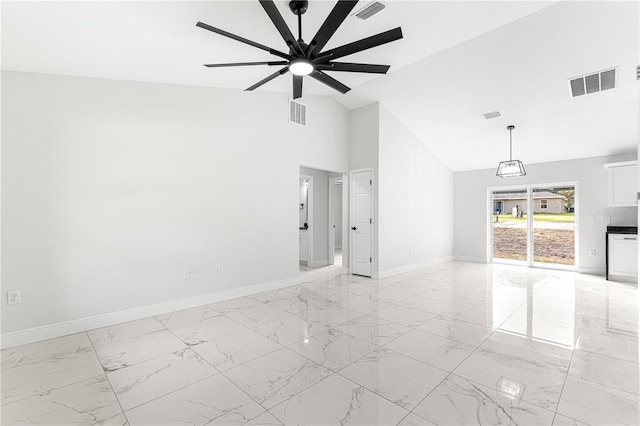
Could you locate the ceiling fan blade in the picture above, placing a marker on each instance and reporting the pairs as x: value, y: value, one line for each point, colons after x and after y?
x: 350, y: 67
x: 277, y: 19
x: 329, y: 81
x: 360, y: 45
x: 269, y: 78
x: 337, y: 16
x: 297, y: 86
x: 243, y: 64
x: 243, y: 40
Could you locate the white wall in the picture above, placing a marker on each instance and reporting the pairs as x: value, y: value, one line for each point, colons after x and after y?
x: 415, y: 201
x: 471, y: 220
x: 111, y: 189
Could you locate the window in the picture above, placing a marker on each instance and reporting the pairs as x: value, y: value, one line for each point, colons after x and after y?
x: 543, y: 204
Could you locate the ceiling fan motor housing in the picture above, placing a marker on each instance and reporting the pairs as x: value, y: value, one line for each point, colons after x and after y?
x: 298, y: 7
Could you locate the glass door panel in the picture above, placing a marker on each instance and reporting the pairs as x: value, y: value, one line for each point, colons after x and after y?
x: 554, y: 225
x: 509, y: 225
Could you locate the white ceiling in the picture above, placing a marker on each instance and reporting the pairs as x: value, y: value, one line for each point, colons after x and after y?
x: 457, y: 60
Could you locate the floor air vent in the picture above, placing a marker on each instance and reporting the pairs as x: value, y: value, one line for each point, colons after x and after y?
x: 369, y: 10
x: 297, y: 113
x: 593, y: 83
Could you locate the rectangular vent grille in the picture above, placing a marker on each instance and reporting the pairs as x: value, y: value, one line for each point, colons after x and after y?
x: 592, y: 83
x: 491, y: 115
x: 369, y: 10
x: 638, y: 72
x: 297, y: 113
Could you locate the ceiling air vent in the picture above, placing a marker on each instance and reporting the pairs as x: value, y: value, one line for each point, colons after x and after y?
x: 490, y: 115
x: 369, y: 10
x: 593, y: 83
x: 297, y: 113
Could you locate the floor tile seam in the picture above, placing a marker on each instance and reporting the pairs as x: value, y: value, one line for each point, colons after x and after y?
x: 631, y: 395
x: 186, y: 346
x: 243, y: 363
x: 57, y: 355
x: 6, y: 370
x: 449, y: 373
x: 221, y: 372
x: 43, y: 392
x: 106, y: 376
x: 372, y: 391
x: 166, y: 394
x: 99, y: 347
x: 518, y: 358
x: 637, y: 362
x: 345, y: 365
x: 528, y: 401
x: 563, y: 385
x: 377, y: 344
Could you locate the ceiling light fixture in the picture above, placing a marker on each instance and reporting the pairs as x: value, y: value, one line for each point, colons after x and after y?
x: 511, y: 168
x: 301, y: 66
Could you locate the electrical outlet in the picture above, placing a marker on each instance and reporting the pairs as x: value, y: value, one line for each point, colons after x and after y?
x: 218, y: 270
x: 592, y: 219
x: 592, y: 253
x: 13, y: 297
x: 186, y: 275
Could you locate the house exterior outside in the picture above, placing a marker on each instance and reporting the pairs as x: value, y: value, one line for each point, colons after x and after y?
x: 543, y: 202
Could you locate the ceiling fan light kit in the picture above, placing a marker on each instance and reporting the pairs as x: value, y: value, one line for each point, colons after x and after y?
x: 511, y: 168
x: 310, y: 59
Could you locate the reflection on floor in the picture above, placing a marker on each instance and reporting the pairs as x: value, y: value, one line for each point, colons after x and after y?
x: 337, y: 262
x: 454, y: 343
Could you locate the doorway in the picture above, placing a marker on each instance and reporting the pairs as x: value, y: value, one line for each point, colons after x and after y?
x: 321, y: 218
x: 361, y: 215
x: 336, y: 232
x: 534, y: 225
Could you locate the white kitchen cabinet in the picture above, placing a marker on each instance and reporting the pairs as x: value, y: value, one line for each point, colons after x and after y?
x: 304, y: 246
x: 623, y: 256
x: 622, y: 184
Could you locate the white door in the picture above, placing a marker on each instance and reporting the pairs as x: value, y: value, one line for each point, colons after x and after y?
x: 361, y: 222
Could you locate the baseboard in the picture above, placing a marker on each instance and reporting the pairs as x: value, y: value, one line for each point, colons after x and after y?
x: 408, y: 268
x: 317, y: 263
x: 471, y: 259
x: 51, y: 331
x: 591, y: 271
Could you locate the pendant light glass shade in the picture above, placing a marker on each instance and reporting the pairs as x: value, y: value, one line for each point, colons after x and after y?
x: 511, y: 168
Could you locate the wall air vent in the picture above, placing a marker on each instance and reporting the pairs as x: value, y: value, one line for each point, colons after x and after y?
x: 638, y: 72
x: 297, y: 113
x: 593, y: 83
x: 369, y: 10
x: 490, y: 115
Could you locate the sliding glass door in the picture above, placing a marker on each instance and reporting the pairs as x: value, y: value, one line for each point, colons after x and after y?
x: 534, y: 225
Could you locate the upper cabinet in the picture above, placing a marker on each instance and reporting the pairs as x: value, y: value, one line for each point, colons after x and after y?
x: 622, y: 184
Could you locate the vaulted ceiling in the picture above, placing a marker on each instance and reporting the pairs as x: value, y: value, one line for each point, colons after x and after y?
x: 457, y: 60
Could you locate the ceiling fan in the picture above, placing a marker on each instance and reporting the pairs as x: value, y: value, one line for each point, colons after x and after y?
x: 309, y: 59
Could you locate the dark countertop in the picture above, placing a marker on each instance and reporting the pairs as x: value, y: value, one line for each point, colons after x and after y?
x: 619, y: 229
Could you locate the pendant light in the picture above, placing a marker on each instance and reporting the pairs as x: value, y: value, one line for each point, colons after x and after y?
x: 511, y: 168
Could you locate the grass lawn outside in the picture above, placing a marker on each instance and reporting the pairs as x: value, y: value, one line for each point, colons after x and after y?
x: 538, y: 217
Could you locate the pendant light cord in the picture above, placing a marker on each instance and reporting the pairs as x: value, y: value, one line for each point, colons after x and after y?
x: 510, y: 129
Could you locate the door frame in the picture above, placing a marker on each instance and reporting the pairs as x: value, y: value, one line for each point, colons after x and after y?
x: 332, y: 235
x: 530, y: 262
x: 351, y: 218
x: 309, y: 217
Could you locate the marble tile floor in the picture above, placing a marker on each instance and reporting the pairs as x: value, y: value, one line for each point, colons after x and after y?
x: 456, y: 343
